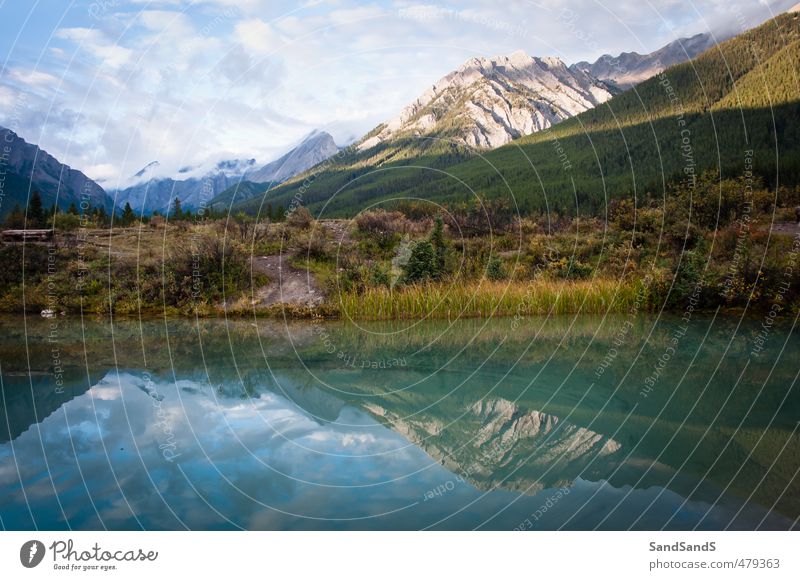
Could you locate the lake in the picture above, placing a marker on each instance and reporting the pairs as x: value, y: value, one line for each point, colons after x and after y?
x: 571, y: 422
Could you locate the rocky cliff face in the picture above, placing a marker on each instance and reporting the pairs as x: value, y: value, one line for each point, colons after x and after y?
x: 630, y: 68
x: 488, y: 102
x: 24, y: 167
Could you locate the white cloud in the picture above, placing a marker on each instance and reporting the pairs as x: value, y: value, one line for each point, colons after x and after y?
x: 187, y: 82
x: 33, y: 78
x: 96, y: 44
x: 259, y: 36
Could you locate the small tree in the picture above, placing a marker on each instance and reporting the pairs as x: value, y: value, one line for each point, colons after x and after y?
x: 35, y: 217
x: 101, y: 216
x: 72, y: 209
x: 422, y: 264
x: 177, y: 213
x: 127, y: 215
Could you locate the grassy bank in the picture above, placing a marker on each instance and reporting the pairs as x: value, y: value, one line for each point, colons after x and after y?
x: 484, y: 299
x: 716, y: 245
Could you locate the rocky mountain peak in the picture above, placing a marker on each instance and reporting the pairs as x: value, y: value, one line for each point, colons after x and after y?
x: 315, y: 148
x: 630, y: 68
x: 487, y: 102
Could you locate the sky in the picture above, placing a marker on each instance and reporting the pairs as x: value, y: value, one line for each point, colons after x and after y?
x: 108, y: 86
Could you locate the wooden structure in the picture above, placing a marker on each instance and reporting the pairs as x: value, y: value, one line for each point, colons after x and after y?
x: 27, y: 235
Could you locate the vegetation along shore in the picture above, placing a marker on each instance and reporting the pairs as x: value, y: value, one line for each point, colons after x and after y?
x: 719, y: 243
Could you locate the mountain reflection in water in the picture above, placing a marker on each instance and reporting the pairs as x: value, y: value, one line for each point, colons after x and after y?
x: 231, y: 424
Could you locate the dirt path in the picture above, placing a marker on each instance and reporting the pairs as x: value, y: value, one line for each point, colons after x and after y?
x: 287, y: 285
x: 339, y: 230
x: 786, y: 228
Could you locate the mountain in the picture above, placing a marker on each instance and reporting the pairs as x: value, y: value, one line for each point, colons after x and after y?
x: 314, y: 149
x: 740, y: 96
x: 488, y: 102
x: 630, y: 68
x: 150, y: 193
x: 25, y: 167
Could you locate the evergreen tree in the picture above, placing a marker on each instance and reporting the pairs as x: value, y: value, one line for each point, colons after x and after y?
x: 72, y: 209
x: 177, y: 212
x: 35, y: 217
x: 127, y: 215
x: 422, y: 263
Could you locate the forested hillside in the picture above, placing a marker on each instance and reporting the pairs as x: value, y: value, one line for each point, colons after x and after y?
x: 735, y: 106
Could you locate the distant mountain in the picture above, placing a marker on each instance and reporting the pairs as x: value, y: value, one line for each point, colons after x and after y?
x: 488, y: 102
x: 150, y: 193
x: 630, y: 68
x: 25, y: 167
x: 314, y: 149
x: 241, y: 191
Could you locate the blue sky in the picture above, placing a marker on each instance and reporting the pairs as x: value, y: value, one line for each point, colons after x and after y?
x: 110, y: 85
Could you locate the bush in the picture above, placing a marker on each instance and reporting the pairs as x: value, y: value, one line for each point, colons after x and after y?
x: 379, y: 223
x: 67, y: 221
x: 300, y: 218
x: 382, y: 230
x: 316, y: 247
x: 495, y: 269
x: 380, y: 276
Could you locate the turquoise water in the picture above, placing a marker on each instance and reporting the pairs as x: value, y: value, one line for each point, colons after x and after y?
x: 540, y: 423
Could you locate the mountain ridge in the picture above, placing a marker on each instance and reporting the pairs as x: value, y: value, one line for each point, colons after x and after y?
x: 628, y: 69
x: 237, y: 175
x: 158, y: 193
x: 487, y: 102
x: 315, y: 148
x: 26, y: 168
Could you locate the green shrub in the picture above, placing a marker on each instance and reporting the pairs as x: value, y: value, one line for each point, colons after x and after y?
x: 422, y: 264
x: 495, y: 269
x: 67, y: 221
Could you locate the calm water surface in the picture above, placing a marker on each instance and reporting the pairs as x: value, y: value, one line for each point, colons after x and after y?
x: 542, y: 423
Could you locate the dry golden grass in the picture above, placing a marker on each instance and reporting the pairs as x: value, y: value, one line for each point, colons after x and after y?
x: 486, y: 299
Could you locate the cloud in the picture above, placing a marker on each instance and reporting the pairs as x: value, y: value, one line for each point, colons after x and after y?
x: 32, y: 78
x: 187, y: 82
x: 259, y: 36
x: 94, y: 43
